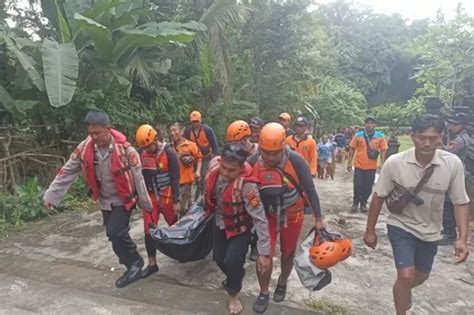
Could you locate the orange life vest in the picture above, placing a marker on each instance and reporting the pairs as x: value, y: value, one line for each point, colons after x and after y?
x: 236, y: 218
x: 201, y: 140
x: 278, y: 193
x: 121, y: 169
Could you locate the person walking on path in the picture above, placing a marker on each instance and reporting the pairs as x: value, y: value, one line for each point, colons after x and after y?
x: 112, y: 169
x: 160, y: 167
x: 190, y: 164
x: 366, y: 145
x: 206, y: 140
x: 324, y: 157
x: 285, y: 186
x: 304, y: 144
x: 414, y: 231
x: 256, y: 124
x: 285, y: 121
x: 458, y: 145
x: 233, y: 195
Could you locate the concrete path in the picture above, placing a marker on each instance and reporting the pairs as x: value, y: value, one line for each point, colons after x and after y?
x: 65, y: 265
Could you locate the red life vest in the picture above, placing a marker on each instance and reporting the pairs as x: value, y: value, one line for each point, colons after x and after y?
x: 155, y: 169
x: 236, y: 218
x: 121, y: 171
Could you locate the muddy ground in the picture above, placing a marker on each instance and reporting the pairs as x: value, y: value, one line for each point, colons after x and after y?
x: 73, y: 243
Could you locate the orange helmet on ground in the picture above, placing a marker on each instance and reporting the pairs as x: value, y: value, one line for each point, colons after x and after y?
x: 272, y: 137
x: 285, y: 116
x: 326, y: 252
x: 238, y: 130
x: 145, y: 135
x: 195, y: 116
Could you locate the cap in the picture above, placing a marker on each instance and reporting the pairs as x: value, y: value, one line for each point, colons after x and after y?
x: 195, y: 116
x: 256, y: 122
x: 458, y: 118
x: 302, y: 121
x: 285, y: 116
x: 370, y: 117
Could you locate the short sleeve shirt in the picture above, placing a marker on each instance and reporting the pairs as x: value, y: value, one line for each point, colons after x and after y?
x: 448, y: 177
x: 358, y: 143
x: 187, y: 172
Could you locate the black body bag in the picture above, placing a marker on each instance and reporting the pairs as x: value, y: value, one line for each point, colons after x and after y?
x: 189, y: 239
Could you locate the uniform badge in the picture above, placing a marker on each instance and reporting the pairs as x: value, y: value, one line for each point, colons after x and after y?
x: 133, y: 159
x: 253, y: 199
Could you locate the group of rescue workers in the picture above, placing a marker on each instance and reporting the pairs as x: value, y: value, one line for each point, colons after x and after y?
x: 258, y: 187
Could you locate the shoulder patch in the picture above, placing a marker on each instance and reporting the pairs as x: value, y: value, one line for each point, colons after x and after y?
x: 253, y: 198
x: 133, y: 157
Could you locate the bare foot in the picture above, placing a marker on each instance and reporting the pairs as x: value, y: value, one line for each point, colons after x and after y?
x: 235, y: 306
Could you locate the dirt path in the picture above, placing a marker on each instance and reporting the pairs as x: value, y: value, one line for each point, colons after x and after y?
x: 361, y: 284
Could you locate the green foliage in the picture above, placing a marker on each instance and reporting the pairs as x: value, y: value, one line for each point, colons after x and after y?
x: 27, y: 203
x: 447, y: 57
x: 399, y: 114
x: 338, y: 104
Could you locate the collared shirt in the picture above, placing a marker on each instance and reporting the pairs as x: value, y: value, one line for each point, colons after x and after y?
x: 254, y: 208
x: 108, y: 195
x: 377, y: 142
x: 306, y: 147
x: 423, y: 221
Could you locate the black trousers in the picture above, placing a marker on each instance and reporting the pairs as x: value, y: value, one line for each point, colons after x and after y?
x: 229, y: 255
x: 363, y: 182
x: 117, y: 228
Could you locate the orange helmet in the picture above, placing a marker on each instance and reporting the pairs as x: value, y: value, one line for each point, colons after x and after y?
x: 345, y: 242
x: 195, y: 116
x: 326, y: 252
x: 145, y: 135
x: 237, y: 131
x: 285, y: 116
x: 272, y: 137
x: 346, y: 248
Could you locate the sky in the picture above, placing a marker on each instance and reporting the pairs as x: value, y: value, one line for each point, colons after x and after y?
x: 415, y: 9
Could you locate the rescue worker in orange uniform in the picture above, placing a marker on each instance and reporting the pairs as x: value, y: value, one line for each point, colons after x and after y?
x: 112, y: 169
x: 285, y: 121
x: 304, y: 144
x: 190, y: 163
x: 160, y: 167
x: 285, y: 185
x: 238, y: 132
x: 233, y: 195
x: 206, y: 140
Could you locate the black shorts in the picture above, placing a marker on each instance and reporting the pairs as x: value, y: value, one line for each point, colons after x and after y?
x: 410, y: 251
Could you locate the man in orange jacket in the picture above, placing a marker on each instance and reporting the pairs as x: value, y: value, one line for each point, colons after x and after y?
x: 304, y: 144
x: 206, y: 140
x: 190, y: 161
